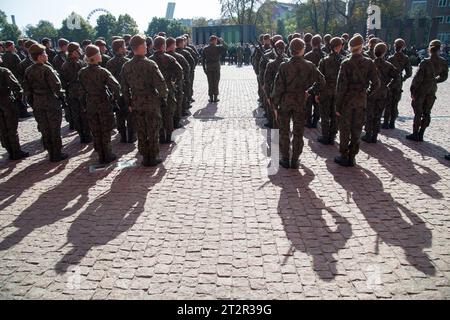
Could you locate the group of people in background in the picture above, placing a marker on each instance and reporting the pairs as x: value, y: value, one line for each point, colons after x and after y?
x: 346, y: 83
x: 142, y: 87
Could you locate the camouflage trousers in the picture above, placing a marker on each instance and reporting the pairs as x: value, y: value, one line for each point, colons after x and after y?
x: 374, y: 112
x: 125, y: 121
x: 181, y: 100
x: 101, y: 123
x: 312, y: 111
x: 351, y: 123
x: 213, y: 75
x: 328, y: 115
x: 297, y: 115
x: 422, y: 111
x: 391, y: 111
x: 148, y: 124
x: 48, y: 114
x: 9, y: 120
x: 168, y: 113
x: 79, y: 118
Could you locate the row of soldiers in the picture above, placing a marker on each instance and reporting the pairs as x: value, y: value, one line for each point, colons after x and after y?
x: 347, y: 83
x: 144, y: 90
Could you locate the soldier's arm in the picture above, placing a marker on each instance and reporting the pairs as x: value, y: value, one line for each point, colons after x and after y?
x: 279, y: 87
x: 112, y: 84
x: 54, y: 83
x: 268, y: 77
x: 418, y: 78
x: 27, y: 89
x: 13, y: 84
x: 159, y: 83
x: 341, y: 88
x: 408, y: 69
x: 204, y: 59
x: 374, y: 79
x: 443, y: 76
x: 178, y: 71
x: 394, y: 73
x: 125, y: 87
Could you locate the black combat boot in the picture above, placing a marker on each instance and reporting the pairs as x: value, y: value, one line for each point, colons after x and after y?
x: 216, y: 99
x: 58, y: 157
x: 421, y: 134
x: 413, y: 137
x: 315, y: 122
x: 211, y: 99
x: 447, y: 157
x: 332, y: 140
x: 324, y: 140
x: 123, y: 136
x: 367, y: 138
x: 285, y: 163
x: 392, y: 125
x: 19, y: 155
x: 374, y: 139
x: 385, y: 126
x: 131, y: 136
x: 342, y: 161
x: 153, y: 162
x: 295, y: 164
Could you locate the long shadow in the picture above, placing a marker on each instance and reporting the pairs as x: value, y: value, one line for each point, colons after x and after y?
x: 393, y: 223
x: 426, y: 149
x: 12, y: 189
x: 109, y: 215
x: 302, y: 213
x: 208, y: 113
x: 403, y: 168
x: 61, y: 202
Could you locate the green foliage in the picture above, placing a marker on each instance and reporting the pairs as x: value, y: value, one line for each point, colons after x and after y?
x: 126, y: 25
x: 42, y: 30
x: 8, y: 31
x: 172, y: 28
x: 281, y: 29
x: 106, y: 26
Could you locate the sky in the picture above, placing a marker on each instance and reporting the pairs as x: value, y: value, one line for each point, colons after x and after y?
x: 30, y: 12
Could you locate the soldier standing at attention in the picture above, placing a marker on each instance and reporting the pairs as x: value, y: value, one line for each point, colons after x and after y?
x: 308, y: 46
x: 312, y: 107
x: 101, y: 44
x: 192, y: 64
x: 43, y: 90
x: 94, y: 81
x: 255, y: 59
x: 211, y: 66
x: 194, y: 53
x: 51, y: 53
x: 329, y: 67
x: 355, y: 76
x: 61, y: 57
x: 71, y: 84
x: 432, y: 70
x: 183, y: 84
x: 378, y: 99
x: 125, y: 118
x: 10, y: 58
x: 370, y: 53
x: 173, y: 74
x: 295, y: 78
x: 269, y: 78
x: 143, y: 87
x: 10, y: 89
x: 150, y: 51
x: 402, y: 63
x: 25, y: 63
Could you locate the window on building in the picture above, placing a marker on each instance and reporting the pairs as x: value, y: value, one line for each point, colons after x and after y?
x: 442, y: 3
x: 444, y: 37
x: 440, y: 19
x: 447, y: 19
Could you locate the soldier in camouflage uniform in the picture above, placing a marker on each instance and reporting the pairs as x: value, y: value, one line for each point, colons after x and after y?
x: 150, y: 51
x: 329, y: 67
x: 51, y: 53
x: 192, y: 64
x: 61, y: 56
x: 70, y: 83
x: 308, y: 46
x: 183, y: 84
x: 370, y: 53
x: 173, y: 74
x: 293, y: 82
x: 194, y: 53
x: 94, y: 81
x: 10, y: 58
x: 264, y: 40
x: 10, y: 90
x: 432, y: 70
x: 327, y: 44
x: 378, y: 99
x: 312, y: 107
x: 125, y: 118
x: 211, y: 66
x: 27, y: 62
x: 143, y: 87
x: 402, y: 63
x: 103, y: 49
x: 269, y: 79
x: 355, y: 76
x: 44, y: 92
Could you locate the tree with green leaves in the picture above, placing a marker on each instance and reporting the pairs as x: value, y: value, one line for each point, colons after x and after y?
x: 106, y: 26
x: 240, y: 11
x: 8, y: 31
x: 44, y: 29
x: 126, y: 25
x: 172, y: 28
x: 73, y: 33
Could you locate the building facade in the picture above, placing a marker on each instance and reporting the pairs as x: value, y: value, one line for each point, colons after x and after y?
x: 229, y: 33
x: 436, y: 10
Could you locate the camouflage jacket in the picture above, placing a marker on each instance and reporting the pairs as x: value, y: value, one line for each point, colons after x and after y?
x: 294, y: 78
x: 105, y: 59
x: 95, y: 81
x: 308, y: 48
x: 169, y: 67
x: 431, y: 71
x: 183, y: 63
x: 140, y: 79
x: 388, y: 74
x: 23, y: 66
x: 69, y: 77
x: 370, y: 53
x: 402, y: 63
x: 257, y: 56
x: 51, y: 53
x: 357, y: 73
x: 11, y: 61
x: 329, y: 67
x: 41, y: 80
x: 9, y: 85
x: 268, y: 55
x: 115, y: 65
x: 188, y: 57
x: 212, y: 54
x: 193, y: 53
x: 315, y: 55
x: 59, y: 60
x: 271, y: 72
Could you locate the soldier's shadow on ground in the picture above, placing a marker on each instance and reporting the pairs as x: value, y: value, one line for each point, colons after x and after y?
x: 394, y: 224
x: 303, y: 217
x: 426, y: 149
x: 110, y: 215
x: 207, y: 113
x: 61, y: 202
x: 403, y: 168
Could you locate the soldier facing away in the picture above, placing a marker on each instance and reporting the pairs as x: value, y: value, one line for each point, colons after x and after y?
x: 356, y: 74
x: 295, y: 78
x: 211, y: 66
x: 44, y: 92
x: 143, y: 88
x: 432, y: 70
x: 95, y: 81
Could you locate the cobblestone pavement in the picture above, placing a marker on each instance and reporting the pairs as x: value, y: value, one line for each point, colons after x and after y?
x: 215, y: 222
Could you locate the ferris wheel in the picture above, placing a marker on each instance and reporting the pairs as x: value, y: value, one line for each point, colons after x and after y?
x: 96, y: 11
